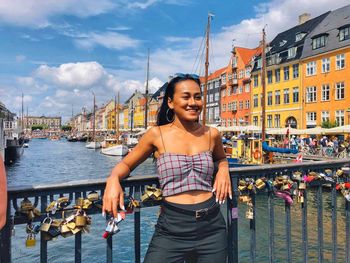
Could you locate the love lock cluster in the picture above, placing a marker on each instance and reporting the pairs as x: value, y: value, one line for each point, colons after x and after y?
x: 290, y: 188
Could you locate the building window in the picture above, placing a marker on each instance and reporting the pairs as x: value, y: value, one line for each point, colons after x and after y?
x: 277, y: 75
x: 247, y: 87
x: 234, y: 105
x: 339, y: 91
x: 339, y: 117
x: 325, y: 92
x: 286, y: 96
x: 326, y: 65
x: 229, y: 92
x: 256, y: 100
x: 296, y: 94
x: 216, y: 96
x: 256, y: 80
x: 224, y: 107
x: 241, y: 73
x: 311, y: 94
x: 223, y: 93
x: 223, y: 78
x: 340, y: 61
x: 277, y: 121
x: 234, y: 90
x: 269, y: 76
x: 247, y: 72
x: 216, y: 113
x: 286, y: 73
x: 240, y: 89
x: 259, y: 63
x: 241, y: 105
x: 211, y: 97
x: 292, y: 52
x: 325, y: 116
x: 247, y: 104
x: 269, y: 98
x: 277, y: 97
x: 311, y: 68
x: 234, y: 121
x: 295, y: 71
x: 319, y: 42
x: 255, y: 120
x: 311, y: 118
x: 229, y: 122
x: 269, y: 121
x: 344, y: 33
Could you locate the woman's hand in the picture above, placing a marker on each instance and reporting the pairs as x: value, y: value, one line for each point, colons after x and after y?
x: 113, y: 196
x: 222, y: 187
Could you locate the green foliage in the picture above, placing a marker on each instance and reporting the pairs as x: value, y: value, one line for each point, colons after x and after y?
x: 39, y: 127
x: 329, y: 124
x: 66, y: 128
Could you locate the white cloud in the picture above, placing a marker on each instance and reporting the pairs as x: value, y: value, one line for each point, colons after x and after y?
x: 142, y: 5
x: 111, y: 40
x: 36, y: 13
x: 119, y: 28
x: 20, y: 58
x: 17, y: 102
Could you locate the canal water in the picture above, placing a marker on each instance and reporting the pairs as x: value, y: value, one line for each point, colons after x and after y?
x: 46, y: 162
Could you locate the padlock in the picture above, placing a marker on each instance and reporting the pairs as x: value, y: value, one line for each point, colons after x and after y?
x: 93, y: 196
x: 244, y: 198
x: 87, y: 204
x: 79, y: 201
x: 285, y: 187
x: 56, y: 222
x: 260, y: 184
x: 45, y: 225
x: 109, y: 229
x: 70, y: 218
x: 36, y: 229
x: 250, y: 186
x: 54, y: 231
x: 63, y: 202
x: 65, y: 230
x: 80, y: 220
x: 249, y: 214
x: 52, y: 207
x: 31, y: 241
x: 302, y: 186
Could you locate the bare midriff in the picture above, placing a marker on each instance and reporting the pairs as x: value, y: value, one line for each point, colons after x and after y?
x: 190, y: 197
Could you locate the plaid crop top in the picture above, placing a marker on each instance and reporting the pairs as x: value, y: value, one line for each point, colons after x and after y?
x: 179, y: 173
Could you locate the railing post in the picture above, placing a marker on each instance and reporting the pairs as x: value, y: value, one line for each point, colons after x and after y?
x: 78, y: 239
x: 137, y: 226
x: 232, y: 223
x: 334, y: 224
x: 5, y: 236
x: 271, y: 218
x: 320, y: 223
x: 43, y: 242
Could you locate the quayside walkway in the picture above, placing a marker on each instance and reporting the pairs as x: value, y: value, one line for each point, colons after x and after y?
x: 325, y: 180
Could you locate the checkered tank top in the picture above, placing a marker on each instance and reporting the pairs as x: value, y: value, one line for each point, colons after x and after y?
x: 179, y: 173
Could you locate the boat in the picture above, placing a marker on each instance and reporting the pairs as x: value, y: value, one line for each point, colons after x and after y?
x: 13, y: 142
x: 113, y: 146
x: 93, y: 144
x: 25, y: 145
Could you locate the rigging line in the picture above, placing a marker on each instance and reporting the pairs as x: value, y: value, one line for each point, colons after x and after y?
x: 200, y: 61
x: 199, y: 49
x: 211, y: 54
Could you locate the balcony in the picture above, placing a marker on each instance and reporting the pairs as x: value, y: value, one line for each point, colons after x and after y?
x: 311, y: 232
x: 232, y: 82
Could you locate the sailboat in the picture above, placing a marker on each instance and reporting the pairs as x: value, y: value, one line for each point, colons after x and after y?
x: 113, y: 146
x: 93, y: 144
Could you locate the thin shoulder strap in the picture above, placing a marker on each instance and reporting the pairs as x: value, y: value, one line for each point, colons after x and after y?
x: 160, y: 130
x: 209, y: 138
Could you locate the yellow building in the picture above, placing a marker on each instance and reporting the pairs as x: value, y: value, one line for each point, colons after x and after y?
x: 283, y: 77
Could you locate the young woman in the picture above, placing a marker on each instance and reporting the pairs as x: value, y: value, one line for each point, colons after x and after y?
x: 3, y: 194
x: 190, y: 226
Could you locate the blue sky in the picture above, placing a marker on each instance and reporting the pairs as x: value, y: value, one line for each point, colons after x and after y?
x: 57, y: 52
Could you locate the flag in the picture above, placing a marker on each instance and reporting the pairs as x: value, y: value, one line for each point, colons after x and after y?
x: 299, y: 159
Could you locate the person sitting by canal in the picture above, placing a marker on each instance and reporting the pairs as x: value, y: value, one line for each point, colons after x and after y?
x: 3, y: 194
x: 190, y: 225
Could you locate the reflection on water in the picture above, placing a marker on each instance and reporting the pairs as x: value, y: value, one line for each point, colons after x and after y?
x: 60, y: 161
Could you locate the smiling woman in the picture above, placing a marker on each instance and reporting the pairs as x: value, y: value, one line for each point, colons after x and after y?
x: 190, y: 226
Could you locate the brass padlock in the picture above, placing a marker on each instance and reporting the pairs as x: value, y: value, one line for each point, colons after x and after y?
x: 87, y: 204
x: 79, y: 201
x: 242, y: 187
x: 260, y: 184
x: 244, y: 198
x: 31, y: 241
x: 285, y: 187
x: 76, y: 230
x: 250, y: 186
x: 65, y: 230
x: 56, y: 223
x: 302, y: 186
x: 45, y: 225
x: 80, y: 220
x: 93, y: 196
x: 30, y: 214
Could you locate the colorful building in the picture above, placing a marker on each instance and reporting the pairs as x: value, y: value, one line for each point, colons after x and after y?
x: 326, y: 71
x: 283, y: 79
x: 235, y: 93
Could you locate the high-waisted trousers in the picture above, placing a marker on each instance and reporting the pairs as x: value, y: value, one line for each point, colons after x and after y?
x: 180, y: 237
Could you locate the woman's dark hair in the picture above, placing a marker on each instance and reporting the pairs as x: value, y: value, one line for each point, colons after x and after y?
x: 165, y: 114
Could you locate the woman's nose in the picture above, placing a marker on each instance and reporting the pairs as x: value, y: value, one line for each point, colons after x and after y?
x: 192, y: 101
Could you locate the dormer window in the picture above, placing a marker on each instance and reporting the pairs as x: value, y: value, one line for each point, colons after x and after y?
x: 344, y: 33
x: 299, y: 36
x: 319, y: 41
x: 259, y: 63
x: 283, y: 42
x: 292, y: 52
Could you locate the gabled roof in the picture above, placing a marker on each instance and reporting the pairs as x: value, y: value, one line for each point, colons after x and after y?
x: 215, y: 75
x: 330, y: 26
x: 159, y: 91
x: 246, y: 54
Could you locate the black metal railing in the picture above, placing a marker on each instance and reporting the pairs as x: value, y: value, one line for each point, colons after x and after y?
x: 42, y: 195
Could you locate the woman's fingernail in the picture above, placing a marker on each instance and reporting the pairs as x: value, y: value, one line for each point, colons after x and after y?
x: 213, y: 190
x: 231, y: 197
x: 217, y: 200
x: 223, y: 202
x: 103, y: 214
x: 123, y: 207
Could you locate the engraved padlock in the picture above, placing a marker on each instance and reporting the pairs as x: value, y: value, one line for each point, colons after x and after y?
x: 93, y: 196
x: 302, y: 186
x: 45, y: 225
x: 80, y: 220
x: 249, y: 214
x: 31, y: 241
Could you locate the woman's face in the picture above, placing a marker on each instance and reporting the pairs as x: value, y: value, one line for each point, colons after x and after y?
x: 187, y: 102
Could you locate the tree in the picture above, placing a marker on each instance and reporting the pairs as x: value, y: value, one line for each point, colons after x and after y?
x: 66, y: 128
x: 329, y: 124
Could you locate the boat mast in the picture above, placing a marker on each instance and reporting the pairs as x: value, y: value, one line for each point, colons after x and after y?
x: 263, y: 85
x: 93, y: 119
x: 206, y: 70
x: 22, y: 120
x: 146, y: 93
x: 117, y: 116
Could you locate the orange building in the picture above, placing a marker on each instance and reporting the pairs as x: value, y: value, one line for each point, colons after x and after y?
x: 326, y: 71
x: 235, y: 95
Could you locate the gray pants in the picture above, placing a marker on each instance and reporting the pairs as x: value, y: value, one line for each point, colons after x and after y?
x: 180, y: 237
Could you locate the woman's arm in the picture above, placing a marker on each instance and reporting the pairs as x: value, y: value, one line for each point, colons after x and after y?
x: 3, y: 194
x: 114, y: 195
x: 222, y: 184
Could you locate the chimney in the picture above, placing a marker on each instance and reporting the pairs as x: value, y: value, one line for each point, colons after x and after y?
x: 304, y: 17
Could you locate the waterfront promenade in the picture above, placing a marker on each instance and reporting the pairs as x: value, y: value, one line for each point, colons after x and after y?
x: 318, y: 231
